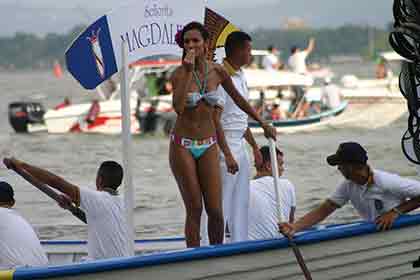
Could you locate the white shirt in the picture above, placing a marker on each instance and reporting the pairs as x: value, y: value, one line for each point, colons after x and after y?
x: 263, y: 206
x: 233, y: 118
x: 19, y: 245
x: 270, y: 62
x: 297, y: 62
x: 331, y: 96
x: 108, y: 235
x: 387, y: 191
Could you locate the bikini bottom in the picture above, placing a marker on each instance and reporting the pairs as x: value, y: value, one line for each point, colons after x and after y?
x: 196, y: 147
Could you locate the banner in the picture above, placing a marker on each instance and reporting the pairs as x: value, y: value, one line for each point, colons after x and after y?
x: 147, y: 26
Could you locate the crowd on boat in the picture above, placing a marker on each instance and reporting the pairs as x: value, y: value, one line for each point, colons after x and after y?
x: 208, y: 158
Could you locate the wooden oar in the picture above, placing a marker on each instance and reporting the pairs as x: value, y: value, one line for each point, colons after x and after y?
x: 50, y: 192
x: 275, y: 172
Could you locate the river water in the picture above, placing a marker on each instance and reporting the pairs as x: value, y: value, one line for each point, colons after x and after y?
x: 159, y: 210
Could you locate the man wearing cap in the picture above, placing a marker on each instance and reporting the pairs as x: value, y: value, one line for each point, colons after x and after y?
x: 19, y: 245
x: 378, y: 196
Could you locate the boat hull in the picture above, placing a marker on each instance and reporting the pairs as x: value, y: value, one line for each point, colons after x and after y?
x: 348, y: 251
x: 108, y: 121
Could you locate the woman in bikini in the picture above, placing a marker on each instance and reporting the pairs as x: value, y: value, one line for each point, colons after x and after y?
x: 193, y: 153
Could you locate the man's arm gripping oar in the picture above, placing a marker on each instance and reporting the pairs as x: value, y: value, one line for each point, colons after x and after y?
x: 47, y: 190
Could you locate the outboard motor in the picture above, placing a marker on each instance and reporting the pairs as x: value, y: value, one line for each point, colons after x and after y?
x: 22, y: 114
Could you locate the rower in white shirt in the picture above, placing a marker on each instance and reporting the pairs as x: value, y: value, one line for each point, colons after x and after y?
x: 378, y: 196
x: 108, y: 234
x: 19, y: 244
x: 262, y: 199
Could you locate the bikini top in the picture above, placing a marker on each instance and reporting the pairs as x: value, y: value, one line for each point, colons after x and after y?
x: 212, y: 97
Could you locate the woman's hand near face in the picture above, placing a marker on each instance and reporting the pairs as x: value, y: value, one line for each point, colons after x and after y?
x: 189, y: 60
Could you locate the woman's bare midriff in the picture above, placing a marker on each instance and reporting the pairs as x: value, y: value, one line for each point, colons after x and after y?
x: 196, y: 123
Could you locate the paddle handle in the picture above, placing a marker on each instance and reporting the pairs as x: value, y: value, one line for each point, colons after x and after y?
x: 275, y: 173
x: 50, y: 192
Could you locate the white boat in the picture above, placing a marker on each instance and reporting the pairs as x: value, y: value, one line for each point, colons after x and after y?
x: 106, y: 118
x: 314, y: 121
x: 373, y: 90
x: 346, y: 251
x: 108, y: 121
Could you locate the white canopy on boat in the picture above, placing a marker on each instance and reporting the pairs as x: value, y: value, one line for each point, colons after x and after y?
x: 258, y: 78
x: 391, y: 56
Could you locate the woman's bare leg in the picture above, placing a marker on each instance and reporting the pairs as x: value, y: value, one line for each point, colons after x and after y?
x: 184, y: 168
x: 211, y: 187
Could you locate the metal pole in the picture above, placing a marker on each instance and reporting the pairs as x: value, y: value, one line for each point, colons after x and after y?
x: 126, y: 145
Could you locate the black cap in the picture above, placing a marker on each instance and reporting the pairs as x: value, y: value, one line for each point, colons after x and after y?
x: 348, y: 152
x: 6, y: 192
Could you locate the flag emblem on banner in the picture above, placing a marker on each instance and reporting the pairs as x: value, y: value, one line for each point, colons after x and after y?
x: 97, y: 52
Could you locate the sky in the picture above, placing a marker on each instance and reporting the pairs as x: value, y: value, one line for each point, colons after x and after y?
x: 59, y: 16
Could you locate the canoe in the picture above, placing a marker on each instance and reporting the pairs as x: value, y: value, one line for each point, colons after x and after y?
x: 292, y: 125
x: 345, y: 251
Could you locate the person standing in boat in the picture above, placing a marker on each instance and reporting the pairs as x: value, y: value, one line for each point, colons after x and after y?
x: 66, y: 102
x: 271, y: 61
x: 297, y: 64
x: 232, y: 133
x: 108, y: 235
x: 297, y: 59
x: 193, y: 153
x: 331, y: 95
x: 262, y: 199
x: 378, y: 196
x: 19, y: 244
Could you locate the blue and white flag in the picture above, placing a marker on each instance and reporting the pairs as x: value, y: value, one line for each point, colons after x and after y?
x: 148, y: 27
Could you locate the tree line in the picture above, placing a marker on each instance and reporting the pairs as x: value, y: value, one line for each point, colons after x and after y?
x: 346, y: 40
x: 28, y: 51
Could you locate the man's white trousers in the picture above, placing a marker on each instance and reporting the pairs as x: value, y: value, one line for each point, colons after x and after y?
x: 235, y: 191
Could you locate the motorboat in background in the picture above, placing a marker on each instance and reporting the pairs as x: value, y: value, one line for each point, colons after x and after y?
x: 385, y: 88
x: 103, y: 114
x: 151, y: 106
x: 150, y: 110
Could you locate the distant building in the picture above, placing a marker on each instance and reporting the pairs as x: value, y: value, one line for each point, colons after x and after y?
x: 294, y: 23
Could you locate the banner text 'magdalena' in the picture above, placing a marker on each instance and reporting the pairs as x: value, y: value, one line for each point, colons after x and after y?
x: 148, y: 27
